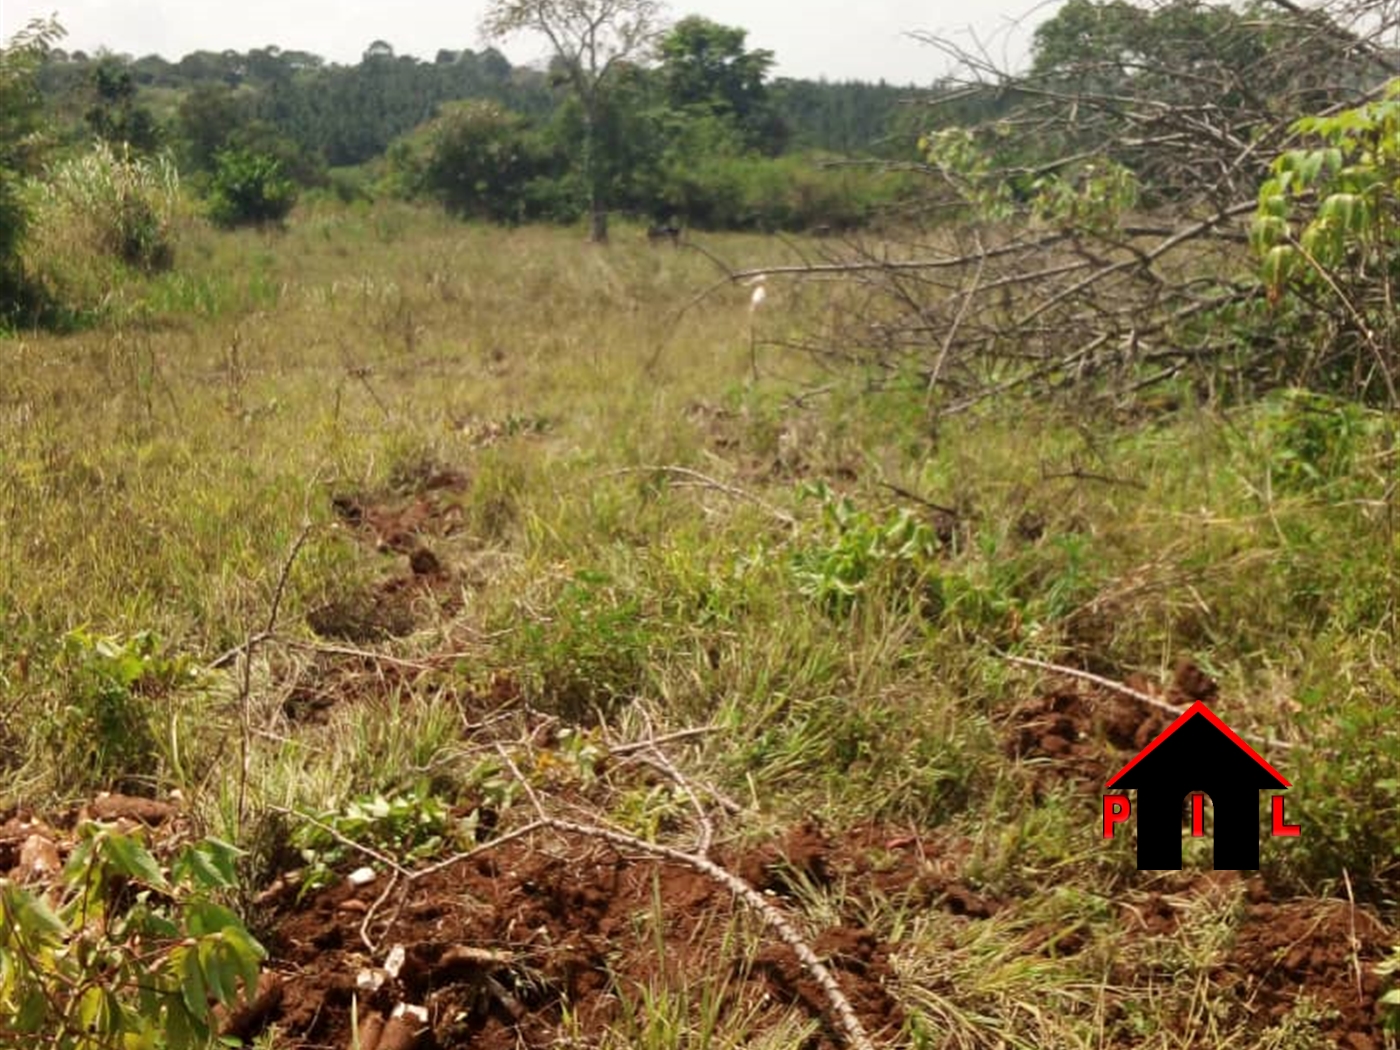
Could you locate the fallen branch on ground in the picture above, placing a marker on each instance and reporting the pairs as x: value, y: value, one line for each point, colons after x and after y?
x: 1133, y: 694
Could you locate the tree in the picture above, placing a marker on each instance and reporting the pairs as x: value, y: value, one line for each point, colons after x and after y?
x: 206, y: 119
x: 20, y: 113
x: 706, y: 69
x: 249, y: 189
x: 593, y: 41
x: 114, y: 115
x: 478, y: 159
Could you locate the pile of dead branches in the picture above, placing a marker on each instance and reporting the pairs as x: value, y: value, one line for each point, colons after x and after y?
x: 1192, y: 103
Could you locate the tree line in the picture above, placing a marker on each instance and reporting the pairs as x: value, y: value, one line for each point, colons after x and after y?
x: 690, y: 125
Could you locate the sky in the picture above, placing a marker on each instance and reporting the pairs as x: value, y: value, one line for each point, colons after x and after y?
x: 836, y: 39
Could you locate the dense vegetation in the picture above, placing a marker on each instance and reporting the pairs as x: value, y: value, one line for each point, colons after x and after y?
x: 706, y: 97
x: 354, y: 516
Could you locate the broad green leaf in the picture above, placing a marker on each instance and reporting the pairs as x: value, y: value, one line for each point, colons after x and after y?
x: 248, y: 953
x: 203, y: 918
x: 126, y: 856
x: 219, y: 978
x: 185, y: 961
x: 1278, y: 262
x: 32, y: 916
x: 99, y: 1012
x: 33, y: 1011
x: 182, y: 1030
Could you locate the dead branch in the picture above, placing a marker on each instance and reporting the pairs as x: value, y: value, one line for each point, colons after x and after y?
x: 1193, y: 103
x: 710, y: 483
x: 841, y: 1009
x: 1132, y: 694
x: 840, y: 1006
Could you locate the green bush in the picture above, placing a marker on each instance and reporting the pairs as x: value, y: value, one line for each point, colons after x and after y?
x: 123, y: 952
x: 20, y: 138
x: 114, y: 204
x: 249, y: 189
x: 103, y: 732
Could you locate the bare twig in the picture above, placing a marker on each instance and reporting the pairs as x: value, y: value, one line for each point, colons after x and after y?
x: 665, y: 738
x: 1132, y: 694
x: 708, y: 482
x: 841, y: 1009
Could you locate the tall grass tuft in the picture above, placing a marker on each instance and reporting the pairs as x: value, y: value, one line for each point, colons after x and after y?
x: 98, y: 213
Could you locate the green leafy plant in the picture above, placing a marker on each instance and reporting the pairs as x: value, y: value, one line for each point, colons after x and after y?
x: 249, y: 189
x: 970, y: 162
x: 858, y: 550
x: 410, y: 826
x: 103, y: 728
x: 124, y: 953
x: 1313, y: 440
x: 1094, y: 198
x: 1326, y: 231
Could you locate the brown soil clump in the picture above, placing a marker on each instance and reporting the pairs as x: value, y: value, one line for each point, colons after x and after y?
x: 496, y: 948
x: 1324, y: 950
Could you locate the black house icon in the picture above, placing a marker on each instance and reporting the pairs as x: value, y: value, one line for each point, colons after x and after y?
x: 1198, y: 752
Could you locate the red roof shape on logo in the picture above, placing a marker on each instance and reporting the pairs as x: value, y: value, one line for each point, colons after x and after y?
x: 1199, y: 709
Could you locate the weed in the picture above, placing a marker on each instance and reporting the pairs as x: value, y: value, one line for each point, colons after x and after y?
x: 70, y: 969
x: 407, y: 827
x: 106, y: 731
x: 859, y: 552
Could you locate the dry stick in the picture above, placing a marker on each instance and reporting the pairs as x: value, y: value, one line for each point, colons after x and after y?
x: 914, y: 497
x: 708, y: 482
x: 1132, y: 694
x: 657, y: 760
x: 837, y: 269
x: 952, y: 332
x: 1355, y: 943
x: 651, y: 742
x: 845, y: 1015
x: 841, y: 1008
x: 1182, y: 235
x: 245, y: 689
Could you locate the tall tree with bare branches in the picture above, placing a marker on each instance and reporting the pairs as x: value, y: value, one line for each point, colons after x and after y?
x: 592, y: 41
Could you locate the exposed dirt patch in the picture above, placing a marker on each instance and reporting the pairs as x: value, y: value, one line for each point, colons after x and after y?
x: 495, y: 948
x: 1324, y: 950
x: 1083, y: 734
x: 1080, y: 736
x: 421, y: 586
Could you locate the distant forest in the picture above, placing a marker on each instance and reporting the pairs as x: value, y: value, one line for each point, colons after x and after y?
x: 412, y: 126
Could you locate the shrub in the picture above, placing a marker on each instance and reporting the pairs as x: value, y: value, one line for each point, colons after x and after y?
x: 1325, y: 232
x: 103, y: 732
x: 114, y: 204
x: 123, y: 952
x: 20, y: 142
x: 249, y: 189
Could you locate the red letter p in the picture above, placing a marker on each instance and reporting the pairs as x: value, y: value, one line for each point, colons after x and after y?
x: 1115, y: 810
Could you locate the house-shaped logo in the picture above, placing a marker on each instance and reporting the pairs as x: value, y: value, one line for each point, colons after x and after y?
x: 1198, y: 753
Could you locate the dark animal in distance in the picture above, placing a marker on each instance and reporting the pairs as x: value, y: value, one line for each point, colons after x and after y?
x: 667, y: 231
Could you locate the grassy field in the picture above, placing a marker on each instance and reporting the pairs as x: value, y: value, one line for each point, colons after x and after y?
x: 381, y: 536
